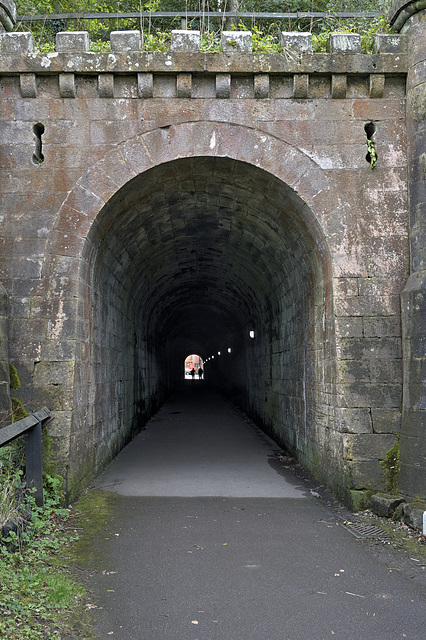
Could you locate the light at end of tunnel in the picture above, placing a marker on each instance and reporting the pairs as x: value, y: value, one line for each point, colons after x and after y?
x: 251, y: 334
x: 218, y: 353
x: 229, y: 349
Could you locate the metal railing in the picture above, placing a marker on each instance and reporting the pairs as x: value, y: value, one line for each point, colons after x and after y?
x: 198, y: 14
x: 31, y: 427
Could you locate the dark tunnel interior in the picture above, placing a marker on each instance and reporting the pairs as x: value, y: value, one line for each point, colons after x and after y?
x: 189, y: 257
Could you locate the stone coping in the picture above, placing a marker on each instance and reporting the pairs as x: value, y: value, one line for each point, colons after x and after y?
x: 89, y: 63
x: 72, y: 55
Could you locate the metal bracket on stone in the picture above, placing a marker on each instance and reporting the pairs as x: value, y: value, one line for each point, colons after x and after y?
x: 28, y: 85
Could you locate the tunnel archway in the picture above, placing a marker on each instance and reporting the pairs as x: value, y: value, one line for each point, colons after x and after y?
x: 208, y: 232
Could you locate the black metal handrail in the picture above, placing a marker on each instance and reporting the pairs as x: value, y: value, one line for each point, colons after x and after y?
x: 31, y: 427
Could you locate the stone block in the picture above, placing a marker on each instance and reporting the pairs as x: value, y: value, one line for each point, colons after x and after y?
x: 349, y: 327
x: 237, y: 41
x: 183, y: 85
x: 185, y: 41
x: 261, y: 85
x: 300, y: 85
x: 357, y: 500
x: 297, y: 42
x: 125, y: 40
x: 366, y: 446
x: 376, y: 85
x: 384, y: 505
x: 412, y: 480
x: 339, y: 84
x: 382, y: 326
x: 413, y: 515
x: 67, y: 85
x: 366, y: 394
x: 364, y: 474
x: 28, y: 85
x: 354, y: 420
x: 106, y: 85
x: 383, y: 348
x: 386, y: 420
x: 223, y: 85
x: 389, y: 43
x: 344, y: 43
x: 17, y: 42
x: 72, y: 41
x: 145, y: 85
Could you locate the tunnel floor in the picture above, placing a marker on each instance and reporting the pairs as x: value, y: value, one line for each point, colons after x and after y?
x: 206, y: 541
x: 198, y: 445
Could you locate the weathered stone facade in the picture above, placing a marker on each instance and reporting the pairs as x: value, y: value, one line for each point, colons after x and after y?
x: 139, y: 186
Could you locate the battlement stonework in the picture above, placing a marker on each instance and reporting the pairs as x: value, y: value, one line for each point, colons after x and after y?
x: 160, y: 204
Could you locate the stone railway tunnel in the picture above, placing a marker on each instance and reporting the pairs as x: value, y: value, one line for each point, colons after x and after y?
x: 159, y: 205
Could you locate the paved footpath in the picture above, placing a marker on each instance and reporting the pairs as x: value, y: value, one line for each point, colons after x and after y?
x: 208, y: 541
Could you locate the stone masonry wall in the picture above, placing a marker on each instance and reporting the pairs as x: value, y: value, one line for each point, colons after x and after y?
x: 72, y: 126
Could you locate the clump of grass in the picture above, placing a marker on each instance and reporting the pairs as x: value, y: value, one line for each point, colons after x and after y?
x: 37, y: 597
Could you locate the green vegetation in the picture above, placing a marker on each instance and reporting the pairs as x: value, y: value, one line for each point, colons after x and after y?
x: 391, y: 465
x: 37, y: 598
x: 156, y: 30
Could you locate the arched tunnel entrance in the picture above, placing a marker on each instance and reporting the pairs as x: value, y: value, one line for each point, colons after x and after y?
x: 213, y: 256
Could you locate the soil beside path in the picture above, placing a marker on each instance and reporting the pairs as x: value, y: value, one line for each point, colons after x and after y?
x: 210, y: 537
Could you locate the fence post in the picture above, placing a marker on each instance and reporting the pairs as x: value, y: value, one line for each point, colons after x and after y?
x: 33, y: 462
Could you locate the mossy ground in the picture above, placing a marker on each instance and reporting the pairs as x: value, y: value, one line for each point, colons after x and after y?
x: 88, y: 518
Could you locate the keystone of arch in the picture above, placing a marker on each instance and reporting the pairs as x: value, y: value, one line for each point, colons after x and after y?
x: 215, y: 139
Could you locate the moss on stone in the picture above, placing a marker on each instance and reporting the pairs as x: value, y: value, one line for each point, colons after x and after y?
x: 358, y: 500
x: 14, y: 380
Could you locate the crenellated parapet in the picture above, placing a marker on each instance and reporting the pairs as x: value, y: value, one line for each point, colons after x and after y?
x: 185, y: 72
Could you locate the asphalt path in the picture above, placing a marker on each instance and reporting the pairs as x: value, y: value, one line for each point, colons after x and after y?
x: 207, y: 541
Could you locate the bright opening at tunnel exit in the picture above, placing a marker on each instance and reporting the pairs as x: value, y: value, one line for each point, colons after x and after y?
x: 194, y: 367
